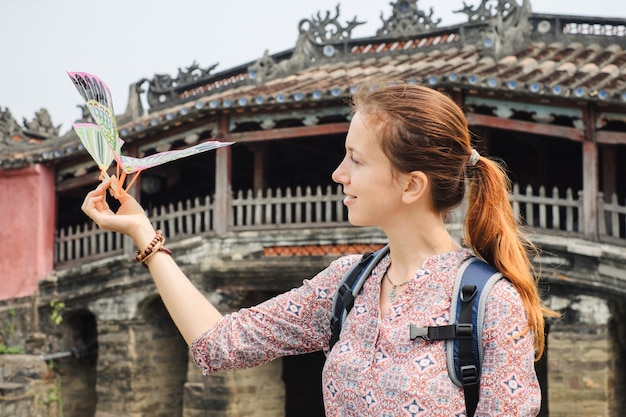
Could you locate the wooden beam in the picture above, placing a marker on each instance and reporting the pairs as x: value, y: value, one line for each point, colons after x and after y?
x: 78, y: 182
x: 289, y: 132
x: 526, y: 127
x: 611, y: 138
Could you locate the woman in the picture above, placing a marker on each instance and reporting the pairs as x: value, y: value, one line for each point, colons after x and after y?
x: 408, y: 161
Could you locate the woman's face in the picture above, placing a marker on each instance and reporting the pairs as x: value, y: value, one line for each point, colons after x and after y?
x: 373, y: 192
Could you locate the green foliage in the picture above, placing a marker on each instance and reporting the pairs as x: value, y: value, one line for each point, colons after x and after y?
x: 10, y: 325
x: 10, y: 329
x: 54, y: 393
x: 57, y: 311
x: 11, y: 350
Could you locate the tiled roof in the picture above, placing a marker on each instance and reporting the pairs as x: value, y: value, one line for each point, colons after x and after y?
x: 562, y: 59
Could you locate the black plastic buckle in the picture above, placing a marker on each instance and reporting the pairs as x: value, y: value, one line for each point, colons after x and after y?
x: 464, y: 330
x: 343, y: 290
x: 469, y: 374
x: 416, y: 331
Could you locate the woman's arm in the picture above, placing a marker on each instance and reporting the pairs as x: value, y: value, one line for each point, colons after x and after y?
x: 292, y: 323
x: 192, y: 313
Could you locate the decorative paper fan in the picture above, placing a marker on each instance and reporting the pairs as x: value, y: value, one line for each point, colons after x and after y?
x: 91, y: 137
x: 100, y: 105
x: 102, y: 140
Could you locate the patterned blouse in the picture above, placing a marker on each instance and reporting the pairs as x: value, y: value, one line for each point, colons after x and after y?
x: 376, y: 369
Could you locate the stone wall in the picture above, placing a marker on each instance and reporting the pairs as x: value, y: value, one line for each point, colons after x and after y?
x: 28, y: 387
x: 580, y: 358
x: 618, y: 357
x: 256, y: 392
x: 17, y: 322
x: 141, y: 366
x: 160, y: 363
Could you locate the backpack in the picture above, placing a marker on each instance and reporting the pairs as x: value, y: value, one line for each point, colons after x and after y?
x: 464, y: 350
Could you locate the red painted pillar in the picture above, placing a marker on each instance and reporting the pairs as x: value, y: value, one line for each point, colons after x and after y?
x: 27, y: 226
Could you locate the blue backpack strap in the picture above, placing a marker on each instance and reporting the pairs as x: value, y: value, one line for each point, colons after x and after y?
x: 351, y: 284
x: 465, y: 354
x: 464, y: 350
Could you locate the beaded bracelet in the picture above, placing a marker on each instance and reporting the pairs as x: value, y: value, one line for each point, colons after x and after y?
x: 156, y: 245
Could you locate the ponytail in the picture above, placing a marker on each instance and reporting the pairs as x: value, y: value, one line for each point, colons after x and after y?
x: 493, y: 233
x: 424, y: 130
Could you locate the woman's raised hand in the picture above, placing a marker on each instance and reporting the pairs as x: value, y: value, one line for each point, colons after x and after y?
x: 130, y: 219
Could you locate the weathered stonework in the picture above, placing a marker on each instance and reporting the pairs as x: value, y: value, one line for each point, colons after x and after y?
x: 255, y: 392
x: 28, y: 387
x: 617, y: 402
x: 142, y: 367
x: 581, y: 373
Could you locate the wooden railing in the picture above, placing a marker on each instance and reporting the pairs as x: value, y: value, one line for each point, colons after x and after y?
x: 299, y: 210
x: 86, y: 242
x: 184, y: 219
x: 557, y: 213
x: 551, y: 213
x: 612, y: 220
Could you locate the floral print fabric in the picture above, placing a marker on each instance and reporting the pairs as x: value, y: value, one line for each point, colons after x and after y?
x: 376, y: 369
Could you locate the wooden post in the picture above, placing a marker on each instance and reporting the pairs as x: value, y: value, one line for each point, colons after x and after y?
x: 609, y: 171
x: 260, y: 160
x: 221, y: 205
x: 590, y: 177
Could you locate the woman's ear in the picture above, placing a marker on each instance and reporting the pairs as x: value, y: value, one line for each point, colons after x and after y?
x: 416, y: 186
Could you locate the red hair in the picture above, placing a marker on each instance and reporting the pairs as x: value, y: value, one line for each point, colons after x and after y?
x: 422, y: 129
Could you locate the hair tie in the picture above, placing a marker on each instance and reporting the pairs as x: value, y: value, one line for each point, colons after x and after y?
x: 473, y: 158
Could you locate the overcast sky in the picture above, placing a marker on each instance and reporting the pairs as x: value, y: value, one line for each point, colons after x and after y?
x: 123, y: 41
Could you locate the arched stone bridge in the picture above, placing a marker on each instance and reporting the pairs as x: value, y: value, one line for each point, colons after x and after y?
x: 585, y: 281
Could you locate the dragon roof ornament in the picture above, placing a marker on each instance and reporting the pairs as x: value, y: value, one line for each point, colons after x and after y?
x: 41, y: 126
x: 9, y: 128
x: 490, y: 9
x: 317, y: 39
x: 407, y: 19
x: 506, y: 25
x: 14, y: 137
x: 321, y: 30
x: 162, y: 87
